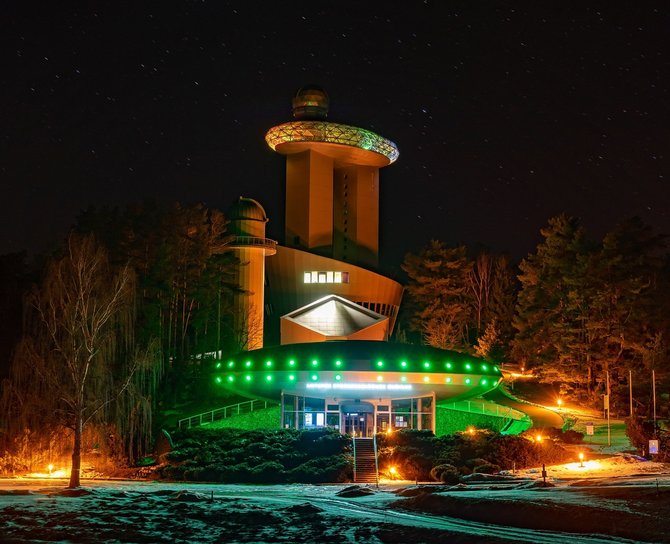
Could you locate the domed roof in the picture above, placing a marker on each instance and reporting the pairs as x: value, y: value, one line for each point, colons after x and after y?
x: 247, y: 209
x: 310, y: 102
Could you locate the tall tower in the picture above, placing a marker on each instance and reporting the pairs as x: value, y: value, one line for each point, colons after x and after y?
x: 250, y: 246
x: 332, y: 181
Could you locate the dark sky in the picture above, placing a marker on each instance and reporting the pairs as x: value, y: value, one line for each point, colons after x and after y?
x: 505, y: 114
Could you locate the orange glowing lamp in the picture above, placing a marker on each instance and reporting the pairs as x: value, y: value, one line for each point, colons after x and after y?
x: 581, y: 459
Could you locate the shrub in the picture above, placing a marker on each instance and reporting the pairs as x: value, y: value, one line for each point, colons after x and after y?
x: 258, y: 456
x: 487, y: 468
x: 447, y: 474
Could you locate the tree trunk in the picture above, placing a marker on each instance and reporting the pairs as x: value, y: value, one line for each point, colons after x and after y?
x: 76, y: 452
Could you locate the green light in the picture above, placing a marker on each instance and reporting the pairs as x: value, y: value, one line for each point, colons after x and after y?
x: 268, y: 363
x: 495, y: 368
x: 314, y: 377
x: 468, y: 366
x: 218, y: 365
x: 403, y: 364
x: 218, y: 379
x: 426, y: 365
x: 448, y: 380
x: 483, y: 382
x: 248, y: 377
x: 231, y: 364
x: 247, y: 364
x: 268, y: 378
x: 231, y: 378
x: 338, y: 363
x: 314, y: 362
x: 485, y: 368
x: 291, y: 362
x: 448, y: 365
x: 338, y: 377
x: 380, y: 363
x: 467, y: 381
x: 291, y: 377
x: 403, y: 378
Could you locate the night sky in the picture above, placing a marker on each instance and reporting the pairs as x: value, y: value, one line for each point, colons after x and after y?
x: 505, y: 114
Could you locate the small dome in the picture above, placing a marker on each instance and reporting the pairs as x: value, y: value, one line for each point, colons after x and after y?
x: 247, y: 209
x: 310, y: 102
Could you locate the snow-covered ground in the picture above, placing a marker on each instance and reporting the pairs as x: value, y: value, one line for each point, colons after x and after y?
x: 619, y: 499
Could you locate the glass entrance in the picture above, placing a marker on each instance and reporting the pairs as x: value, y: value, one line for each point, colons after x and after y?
x: 358, y: 424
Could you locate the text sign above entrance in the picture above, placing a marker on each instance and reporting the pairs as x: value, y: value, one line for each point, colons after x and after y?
x: 361, y: 386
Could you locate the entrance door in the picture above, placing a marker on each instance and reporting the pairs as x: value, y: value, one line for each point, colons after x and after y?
x: 358, y: 419
x: 355, y: 424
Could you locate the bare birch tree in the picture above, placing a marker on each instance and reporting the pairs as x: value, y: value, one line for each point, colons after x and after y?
x: 80, y: 336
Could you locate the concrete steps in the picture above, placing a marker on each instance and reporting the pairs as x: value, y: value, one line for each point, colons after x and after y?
x: 365, y: 471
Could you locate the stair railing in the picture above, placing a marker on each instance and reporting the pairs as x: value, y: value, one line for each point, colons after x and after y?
x: 354, y: 440
x: 374, y: 444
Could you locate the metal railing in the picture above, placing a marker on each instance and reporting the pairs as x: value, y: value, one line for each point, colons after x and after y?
x: 233, y: 241
x: 374, y: 444
x: 485, y: 408
x: 223, y: 413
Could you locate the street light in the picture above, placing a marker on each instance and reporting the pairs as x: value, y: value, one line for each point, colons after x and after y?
x: 581, y: 459
x: 392, y: 472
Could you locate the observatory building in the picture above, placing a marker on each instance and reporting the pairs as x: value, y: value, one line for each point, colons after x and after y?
x: 317, y: 315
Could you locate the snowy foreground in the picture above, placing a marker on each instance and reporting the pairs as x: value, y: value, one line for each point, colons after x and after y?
x: 619, y: 499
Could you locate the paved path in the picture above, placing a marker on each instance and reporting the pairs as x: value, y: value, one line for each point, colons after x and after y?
x: 540, y: 416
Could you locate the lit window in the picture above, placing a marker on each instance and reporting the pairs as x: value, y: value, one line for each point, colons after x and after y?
x: 328, y: 276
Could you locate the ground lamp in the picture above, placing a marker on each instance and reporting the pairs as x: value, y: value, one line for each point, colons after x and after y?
x: 581, y: 459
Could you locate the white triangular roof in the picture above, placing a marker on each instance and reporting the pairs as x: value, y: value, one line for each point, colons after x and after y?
x: 334, y: 316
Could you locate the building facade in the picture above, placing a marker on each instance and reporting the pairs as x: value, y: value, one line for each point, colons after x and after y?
x: 328, y: 314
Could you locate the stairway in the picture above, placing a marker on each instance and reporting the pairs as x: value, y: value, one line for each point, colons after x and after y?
x: 365, y: 464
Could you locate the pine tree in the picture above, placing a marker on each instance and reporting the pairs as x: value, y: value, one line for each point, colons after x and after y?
x: 438, y: 280
x: 547, y: 333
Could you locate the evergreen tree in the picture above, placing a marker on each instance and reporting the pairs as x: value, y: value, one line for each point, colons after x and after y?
x: 547, y: 333
x: 437, y: 287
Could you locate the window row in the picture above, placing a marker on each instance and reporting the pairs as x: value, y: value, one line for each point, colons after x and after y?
x: 326, y: 277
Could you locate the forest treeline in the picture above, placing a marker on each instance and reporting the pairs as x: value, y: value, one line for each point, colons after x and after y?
x: 571, y: 311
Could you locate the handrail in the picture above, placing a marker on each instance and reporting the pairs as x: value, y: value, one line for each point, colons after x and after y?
x: 223, y: 413
x: 485, y: 408
x: 234, y: 240
x: 374, y: 444
x: 354, y: 440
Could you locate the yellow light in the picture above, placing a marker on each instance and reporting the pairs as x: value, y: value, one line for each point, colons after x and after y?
x: 389, y: 430
x: 392, y: 470
x: 50, y: 468
x: 538, y: 438
x: 581, y: 459
x: 380, y: 378
x: 471, y: 430
x: 426, y: 379
x: 559, y: 402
